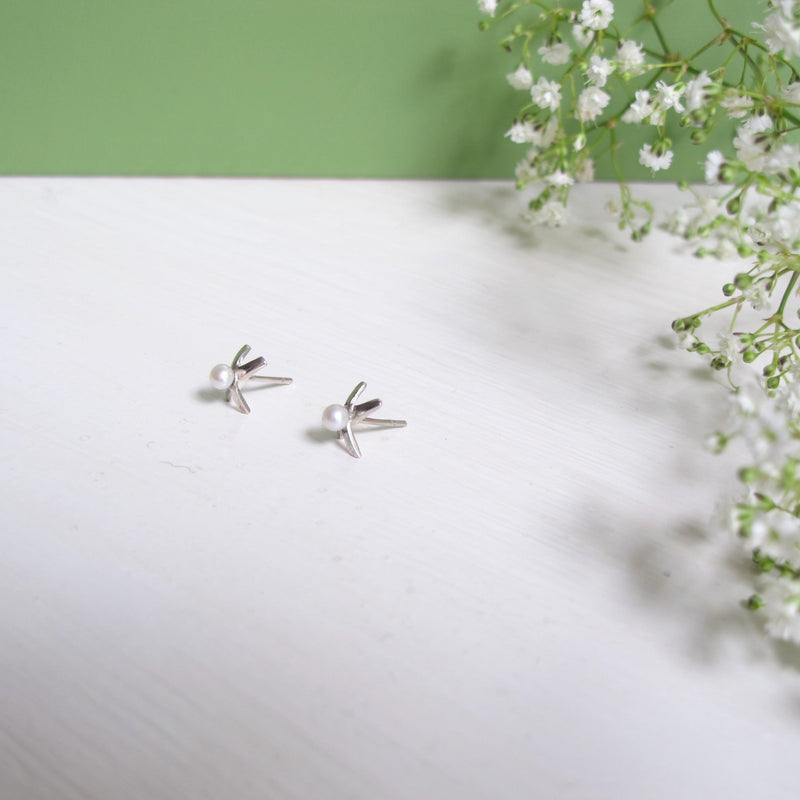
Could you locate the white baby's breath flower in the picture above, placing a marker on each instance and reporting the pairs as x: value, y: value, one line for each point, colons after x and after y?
x: 781, y: 34
x: 552, y: 214
x: 736, y: 104
x: 579, y: 142
x: 785, y: 6
x: 678, y: 221
x: 488, y: 6
x: 547, y: 133
x: 521, y: 78
x: 730, y: 346
x: 779, y: 160
x: 696, y: 95
x: 585, y: 172
x: 559, y: 178
x: 525, y: 172
x: 752, y: 143
x: 709, y: 208
x: 640, y: 109
x: 783, y: 227
x: 546, y: 94
x: 756, y: 294
x: 629, y: 57
x: 781, y: 543
x: 591, y: 103
x: 583, y: 36
x: 714, y: 163
x: 598, y: 71
x: 522, y: 131
x: 791, y: 398
x: 669, y: 96
x: 747, y: 400
x: 613, y: 207
x: 596, y: 14
x: 540, y: 136
x: 781, y: 607
x: 791, y: 93
x: 759, y: 531
x: 556, y: 53
x: 654, y: 161
x: 725, y: 250
x: 686, y: 340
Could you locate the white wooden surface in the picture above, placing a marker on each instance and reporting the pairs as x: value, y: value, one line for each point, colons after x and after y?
x: 513, y: 597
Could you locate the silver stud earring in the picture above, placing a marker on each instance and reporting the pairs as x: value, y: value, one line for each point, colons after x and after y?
x: 231, y: 378
x: 342, y: 418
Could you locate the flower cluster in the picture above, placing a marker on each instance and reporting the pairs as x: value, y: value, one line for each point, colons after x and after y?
x: 750, y: 212
x: 766, y: 518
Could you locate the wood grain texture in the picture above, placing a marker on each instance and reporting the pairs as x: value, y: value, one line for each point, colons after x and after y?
x: 512, y: 597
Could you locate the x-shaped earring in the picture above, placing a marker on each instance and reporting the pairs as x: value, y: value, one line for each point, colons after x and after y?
x: 231, y: 378
x: 342, y: 418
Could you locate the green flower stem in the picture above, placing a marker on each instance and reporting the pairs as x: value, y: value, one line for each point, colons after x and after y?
x: 787, y: 293
x: 651, y: 16
x: 716, y: 40
x: 726, y: 304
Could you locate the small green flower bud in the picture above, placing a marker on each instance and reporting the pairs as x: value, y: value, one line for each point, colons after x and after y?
x: 719, y: 362
x: 700, y: 114
x: 764, y: 502
x: 698, y: 136
x: 744, y: 251
x: 774, y: 382
x: 749, y: 355
x: 733, y: 205
x: 748, y: 474
x: 743, y: 280
x: 754, y: 602
x: 700, y: 347
x: 769, y: 369
x: 764, y: 563
x: 683, y: 185
x: 760, y: 346
x: 728, y: 289
x: 483, y: 25
x: 745, y: 338
x: 701, y: 252
x: 727, y: 174
x: 679, y: 325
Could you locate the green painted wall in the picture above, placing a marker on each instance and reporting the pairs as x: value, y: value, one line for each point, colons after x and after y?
x: 266, y: 87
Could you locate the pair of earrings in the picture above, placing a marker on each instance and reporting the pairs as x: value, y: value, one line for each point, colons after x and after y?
x: 336, y: 418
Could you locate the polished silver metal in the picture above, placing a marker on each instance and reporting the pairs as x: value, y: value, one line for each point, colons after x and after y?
x: 246, y: 372
x: 359, y: 413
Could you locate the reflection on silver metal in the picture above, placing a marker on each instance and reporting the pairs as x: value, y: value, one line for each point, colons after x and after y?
x: 342, y: 418
x: 232, y: 378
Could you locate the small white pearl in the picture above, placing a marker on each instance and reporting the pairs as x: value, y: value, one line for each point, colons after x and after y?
x: 335, y: 418
x: 221, y: 377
